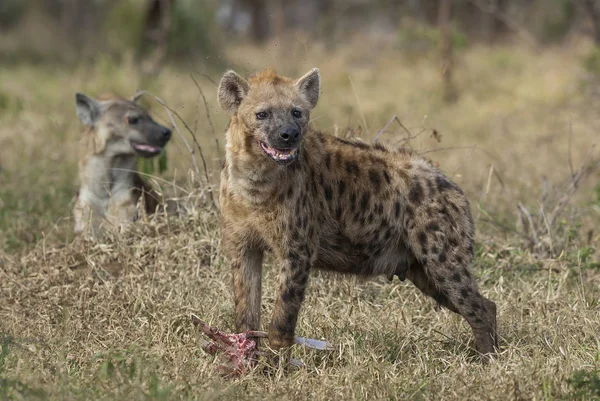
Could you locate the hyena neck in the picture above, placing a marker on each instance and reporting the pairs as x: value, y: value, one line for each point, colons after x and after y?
x: 105, y: 177
x: 253, y: 176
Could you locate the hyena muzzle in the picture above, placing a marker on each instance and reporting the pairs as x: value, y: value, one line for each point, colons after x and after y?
x: 318, y: 201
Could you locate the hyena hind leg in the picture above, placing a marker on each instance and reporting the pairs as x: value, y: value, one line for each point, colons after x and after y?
x: 458, y: 292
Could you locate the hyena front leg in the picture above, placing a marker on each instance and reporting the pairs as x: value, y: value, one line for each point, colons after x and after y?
x: 292, y: 284
x: 89, y: 212
x: 247, y: 274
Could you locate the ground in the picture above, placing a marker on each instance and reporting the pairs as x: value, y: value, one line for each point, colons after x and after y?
x: 112, y: 320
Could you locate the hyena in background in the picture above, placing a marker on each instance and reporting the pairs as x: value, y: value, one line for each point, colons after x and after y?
x: 110, y: 186
x: 322, y: 202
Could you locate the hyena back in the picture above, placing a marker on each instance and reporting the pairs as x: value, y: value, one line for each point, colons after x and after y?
x: 318, y: 201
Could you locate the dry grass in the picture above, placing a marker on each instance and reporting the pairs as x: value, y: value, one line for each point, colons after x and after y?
x: 110, y: 320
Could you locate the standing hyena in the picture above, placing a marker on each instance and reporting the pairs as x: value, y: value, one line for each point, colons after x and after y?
x: 110, y: 186
x: 323, y: 202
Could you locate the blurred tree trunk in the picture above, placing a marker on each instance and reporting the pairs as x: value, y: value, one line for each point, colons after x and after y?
x: 259, y: 13
x: 492, y: 24
x: 279, y: 20
x: 594, y: 11
x: 155, y: 33
x: 445, y: 8
x: 79, y: 19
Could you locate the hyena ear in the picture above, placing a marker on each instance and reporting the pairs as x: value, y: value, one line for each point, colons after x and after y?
x: 309, y: 85
x: 232, y: 90
x: 88, y: 109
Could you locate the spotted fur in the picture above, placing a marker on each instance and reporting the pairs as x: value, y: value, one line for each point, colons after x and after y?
x: 341, y: 205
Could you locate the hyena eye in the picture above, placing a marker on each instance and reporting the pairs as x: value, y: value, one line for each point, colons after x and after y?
x: 133, y: 120
x: 296, y: 113
x: 261, y: 115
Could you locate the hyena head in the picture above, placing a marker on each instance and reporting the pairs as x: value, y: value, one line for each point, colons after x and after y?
x: 121, y: 127
x: 273, y: 111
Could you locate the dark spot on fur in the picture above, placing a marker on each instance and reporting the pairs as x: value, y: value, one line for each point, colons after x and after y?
x: 397, y: 209
x: 432, y: 188
x: 444, y: 184
x: 352, y: 168
x: 338, y: 213
x: 433, y: 226
x: 456, y: 277
x: 459, y: 259
x: 328, y: 161
x: 442, y: 257
x: 293, y: 257
x: 475, y: 306
x: 386, y: 175
x: 289, y: 295
x: 355, y: 144
x: 375, y: 179
x: 353, y: 201
x: 422, y: 237
x: 464, y: 292
x: 328, y: 192
x: 379, y: 146
x: 341, y: 188
x: 416, y: 193
x: 364, y: 201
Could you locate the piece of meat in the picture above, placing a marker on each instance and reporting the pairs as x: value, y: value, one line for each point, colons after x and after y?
x: 238, y: 353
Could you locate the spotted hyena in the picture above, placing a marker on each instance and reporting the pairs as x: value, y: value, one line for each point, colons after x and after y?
x: 110, y: 186
x: 323, y: 202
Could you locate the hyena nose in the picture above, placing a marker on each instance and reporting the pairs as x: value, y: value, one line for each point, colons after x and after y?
x: 166, y: 134
x: 289, y: 134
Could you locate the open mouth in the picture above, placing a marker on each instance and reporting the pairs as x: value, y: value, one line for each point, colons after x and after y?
x: 280, y: 155
x: 146, y: 150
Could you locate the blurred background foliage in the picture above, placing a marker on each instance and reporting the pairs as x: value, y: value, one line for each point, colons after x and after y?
x: 175, y: 30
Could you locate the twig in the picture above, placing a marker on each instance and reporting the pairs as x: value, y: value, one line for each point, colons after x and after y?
x: 207, y: 77
x: 525, y: 212
x: 569, y: 150
x: 169, y: 113
x: 580, y: 175
x: 212, y: 127
x: 381, y: 131
x: 358, y: 103
x: 487, y: 188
